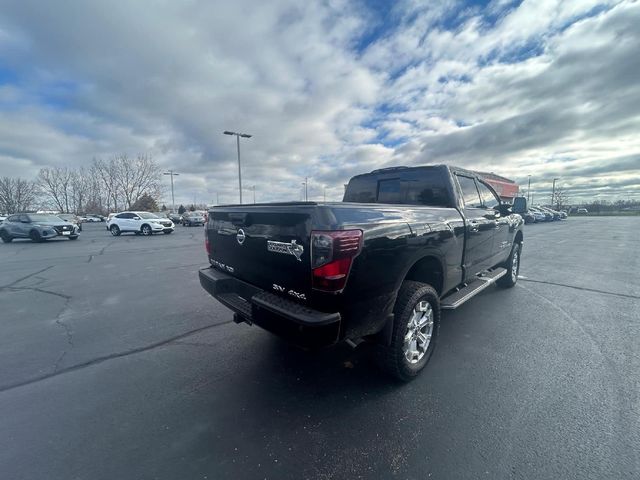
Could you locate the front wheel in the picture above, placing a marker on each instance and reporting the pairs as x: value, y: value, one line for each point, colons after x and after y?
x: 146, y: 230
x: 513, y: 267
x: 415, y: 329
x: 35, y: 236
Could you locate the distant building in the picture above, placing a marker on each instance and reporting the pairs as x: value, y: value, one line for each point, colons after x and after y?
x: 506, y: 188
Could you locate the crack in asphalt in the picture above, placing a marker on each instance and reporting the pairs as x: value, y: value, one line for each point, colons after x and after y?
x: 67, y: 329
x: 69, y: 334
x: 586, y: 289
x: 105, y: 358
x: 26, y: 277
x: 101, y: 252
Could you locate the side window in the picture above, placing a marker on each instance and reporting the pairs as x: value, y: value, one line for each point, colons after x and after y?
x: 24, y: 218
x: 427, y: 187
x: 125, y: 215
x: 13, y: 218
x: 389, y: 191
x: 469, y: 192
x: 489, y: 200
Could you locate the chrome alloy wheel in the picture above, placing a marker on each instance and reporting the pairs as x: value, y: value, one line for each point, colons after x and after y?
x: 515, y: 264
x: 419, y: 332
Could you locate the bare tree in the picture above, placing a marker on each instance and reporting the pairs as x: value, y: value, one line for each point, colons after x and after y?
x: 136, y: 177
x: 560, y: 198
x: 55, y: 185
x: 16, y: 194
x: 105, y: 173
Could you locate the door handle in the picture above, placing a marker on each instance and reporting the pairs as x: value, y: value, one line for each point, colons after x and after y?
x: 474, y: 226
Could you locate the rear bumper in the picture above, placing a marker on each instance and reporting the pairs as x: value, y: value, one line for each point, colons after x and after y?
x: 292, y: 321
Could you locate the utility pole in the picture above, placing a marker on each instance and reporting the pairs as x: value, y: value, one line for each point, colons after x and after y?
x: 324, y: 193
x: 306, y: 196
x: 253, y: 187
x: 173, y: 200
x: 553, y: 193
x: 529, y: 190
x: 238, y: 135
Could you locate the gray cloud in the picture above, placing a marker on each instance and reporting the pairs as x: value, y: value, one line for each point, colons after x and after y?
x: 96, y: 79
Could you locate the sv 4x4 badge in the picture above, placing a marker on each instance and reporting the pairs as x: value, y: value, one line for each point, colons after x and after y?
x: 287, y: 248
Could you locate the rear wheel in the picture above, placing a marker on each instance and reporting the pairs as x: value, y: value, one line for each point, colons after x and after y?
x: 6, y: 238
x: 146, y: 230
x: 35, y: 236
x: 115, y: 230
x: 415, y: 329
x: 513, y: 267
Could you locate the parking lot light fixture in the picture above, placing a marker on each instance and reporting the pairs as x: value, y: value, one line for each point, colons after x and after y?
x: 173, y: 200
x: 238, y: 135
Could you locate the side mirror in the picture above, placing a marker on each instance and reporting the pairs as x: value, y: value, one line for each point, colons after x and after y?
x: 519, y: 205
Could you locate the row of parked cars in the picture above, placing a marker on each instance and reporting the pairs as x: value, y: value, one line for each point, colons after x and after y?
x: 189, y: 219
x: 543, y: 214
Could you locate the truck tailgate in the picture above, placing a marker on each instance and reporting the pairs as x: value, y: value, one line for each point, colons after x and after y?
x: 263, y: 246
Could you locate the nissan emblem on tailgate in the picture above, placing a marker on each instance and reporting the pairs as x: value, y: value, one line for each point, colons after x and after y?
x: 240, y: 237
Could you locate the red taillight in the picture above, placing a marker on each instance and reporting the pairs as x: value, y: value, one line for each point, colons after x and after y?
x: 207, y: 245
x: 332, y: 253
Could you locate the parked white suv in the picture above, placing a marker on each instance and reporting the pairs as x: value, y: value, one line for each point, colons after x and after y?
x: 140, y: 223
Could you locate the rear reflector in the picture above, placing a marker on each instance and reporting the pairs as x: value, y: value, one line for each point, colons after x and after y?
x: 332, y: 253
x: 207, y: 245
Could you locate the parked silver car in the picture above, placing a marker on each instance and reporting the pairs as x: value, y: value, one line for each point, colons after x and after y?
x: 37, y: 226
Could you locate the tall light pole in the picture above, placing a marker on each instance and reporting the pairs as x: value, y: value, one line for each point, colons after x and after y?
x: 306, y: 196
x: 173, y: 200
x: 324, y: 193
x: 553, y: 192
x: 529, y: 190
x: 238, y: 135
x: 253, y: 187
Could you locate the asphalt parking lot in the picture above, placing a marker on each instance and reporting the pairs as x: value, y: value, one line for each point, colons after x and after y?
x: 117, y: 365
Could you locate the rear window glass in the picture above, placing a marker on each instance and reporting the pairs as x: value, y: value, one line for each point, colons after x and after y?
x: 389, y: 191
x: 421, y: 186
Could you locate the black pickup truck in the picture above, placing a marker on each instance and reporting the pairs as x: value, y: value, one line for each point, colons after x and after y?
x: 379, y: 266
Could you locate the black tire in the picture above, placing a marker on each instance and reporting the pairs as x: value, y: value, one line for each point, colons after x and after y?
x: 392, y: 358
x: 35, y: 236
x: 80, y: 227
x: 73, y: 237
x: 513, y: 268
x: 146, y: 230
x: 115, y: 230
x: 6, y: 238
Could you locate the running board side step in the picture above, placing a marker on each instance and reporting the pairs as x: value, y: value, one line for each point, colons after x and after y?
x: 455, y: 299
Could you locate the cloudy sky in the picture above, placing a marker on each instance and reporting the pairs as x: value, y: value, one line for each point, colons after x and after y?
x: 328, y: 89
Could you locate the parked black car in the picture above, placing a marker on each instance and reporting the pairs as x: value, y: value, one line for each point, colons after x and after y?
x: 193, y: 219
x: 37, y: 226
x: 175, y: 217
x: 404, y: 244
